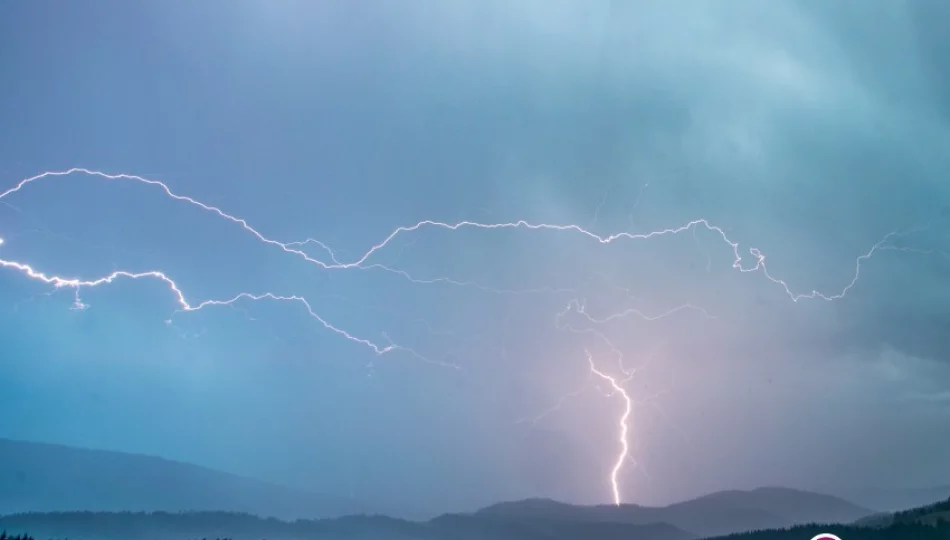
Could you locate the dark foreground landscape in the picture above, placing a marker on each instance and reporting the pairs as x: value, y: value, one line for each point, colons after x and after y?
x: 927, y: 523
x: 56, y: 492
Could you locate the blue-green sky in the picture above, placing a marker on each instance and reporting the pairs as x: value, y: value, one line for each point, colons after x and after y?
x: 808, y: 130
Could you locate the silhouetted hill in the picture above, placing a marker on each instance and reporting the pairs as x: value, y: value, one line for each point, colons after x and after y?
x: 892, y: 500
x: 715, y: 514
x: 46, y: 477
x: 478, y: 527
x: 928, y: 514
x: 900, y: 531
x: 190, y: 526
x: 914, y: 524
x: 930, y: 522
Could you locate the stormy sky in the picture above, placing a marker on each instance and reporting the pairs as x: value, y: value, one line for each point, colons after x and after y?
x: 809, y: 130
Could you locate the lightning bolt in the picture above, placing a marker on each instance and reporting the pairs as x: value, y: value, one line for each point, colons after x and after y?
x: 558, y: 404
x: 361, y: 262
x: 624, y: 453
x: 332, y: 261
x: 579, y: 308
x: 185, y: 306
x: 636, y: 205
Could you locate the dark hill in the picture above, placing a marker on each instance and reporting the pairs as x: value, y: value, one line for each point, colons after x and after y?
x: 46, y: 477
x: 928, y: 514
x: 189, y: 526
x: 894, y: 499
x: 719, y: 513
x: 930, y: 522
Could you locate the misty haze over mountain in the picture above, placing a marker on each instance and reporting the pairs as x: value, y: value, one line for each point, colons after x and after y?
x: 45, y: 477
x: 48, y: 484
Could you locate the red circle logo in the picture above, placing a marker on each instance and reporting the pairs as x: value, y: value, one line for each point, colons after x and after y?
x: 826, y: 536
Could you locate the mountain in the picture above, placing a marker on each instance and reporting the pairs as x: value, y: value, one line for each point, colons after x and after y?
x: 929, y: 514
x: 930, y: 522
x: 46, y: 477
x: 88, y: 490
x: 188, y: 526
x: 721, y: 513
x: 479, y: 527
x: 893, y: 500
x: 914, y: 524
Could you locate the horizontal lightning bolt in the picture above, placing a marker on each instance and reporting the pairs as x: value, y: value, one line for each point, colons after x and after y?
x: 360, y: 262
x: 581, y: 309
x: 185, y: 306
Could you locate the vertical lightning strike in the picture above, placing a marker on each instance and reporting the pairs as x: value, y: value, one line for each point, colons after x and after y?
x: 624, y: 454
x: 616, y: 386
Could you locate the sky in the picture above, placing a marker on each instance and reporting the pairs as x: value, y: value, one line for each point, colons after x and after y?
x: 809, y: 131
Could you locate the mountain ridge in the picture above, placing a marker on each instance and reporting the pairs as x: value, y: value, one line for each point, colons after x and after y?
x: 187, y: 526
x: 41, y: 477
x: 714, y: 514
x: 895, y: 499
x: 920, y: 523
x: 56, y: 477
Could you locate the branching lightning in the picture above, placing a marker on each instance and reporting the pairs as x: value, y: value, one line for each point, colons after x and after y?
x: 185, y: 306
x: 624, y: 453
x: 363, y: 262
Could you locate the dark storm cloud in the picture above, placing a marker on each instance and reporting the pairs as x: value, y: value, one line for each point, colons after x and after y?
x: 818, y: 126
x: 916, y: 330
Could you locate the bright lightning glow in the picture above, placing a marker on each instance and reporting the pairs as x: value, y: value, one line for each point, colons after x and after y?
x: 624, y: 454
x: 362, y: 262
